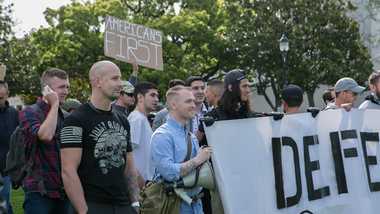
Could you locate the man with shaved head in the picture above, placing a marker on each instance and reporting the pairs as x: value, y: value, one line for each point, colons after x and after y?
x: 175, y: 150
x: 98, y: 172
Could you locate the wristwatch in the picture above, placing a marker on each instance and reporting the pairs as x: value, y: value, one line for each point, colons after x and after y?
x: 135, y: 204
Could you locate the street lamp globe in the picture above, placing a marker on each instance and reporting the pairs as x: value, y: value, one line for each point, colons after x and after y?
x: 284, y: 43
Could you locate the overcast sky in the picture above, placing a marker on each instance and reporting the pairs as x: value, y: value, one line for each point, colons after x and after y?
x: 28, y: 14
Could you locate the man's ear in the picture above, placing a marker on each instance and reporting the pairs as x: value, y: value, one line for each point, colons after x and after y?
x: 171, y: 105
x: 285, y: 106
x: 139, y: 97
x: 97, y: 81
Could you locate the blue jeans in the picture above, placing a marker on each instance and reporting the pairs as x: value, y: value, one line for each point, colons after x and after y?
x: 35, y: 203
x: 5, y: 193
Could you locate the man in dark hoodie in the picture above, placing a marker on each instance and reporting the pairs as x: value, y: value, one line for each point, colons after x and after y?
x: 8, y: 123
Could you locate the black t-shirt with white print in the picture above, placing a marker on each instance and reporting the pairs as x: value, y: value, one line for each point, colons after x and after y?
x: 105, y: 141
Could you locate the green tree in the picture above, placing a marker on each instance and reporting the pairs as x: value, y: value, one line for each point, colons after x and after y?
x: 193, y: 42
x: 324, y: 43
x: 204, y: 38
x: 6, y: 32
x: 23, y: 77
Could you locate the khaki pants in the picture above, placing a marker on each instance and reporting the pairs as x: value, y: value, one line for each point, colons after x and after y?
x: 216, y: 202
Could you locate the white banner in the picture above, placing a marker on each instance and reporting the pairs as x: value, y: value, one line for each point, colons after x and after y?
x: 300, y: 164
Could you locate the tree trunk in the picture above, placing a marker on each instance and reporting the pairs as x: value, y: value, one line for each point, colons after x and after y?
x: 310, y: 98
x: 262, y: 88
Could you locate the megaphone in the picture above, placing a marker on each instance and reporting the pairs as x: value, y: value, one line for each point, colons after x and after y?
x: 201, y: 177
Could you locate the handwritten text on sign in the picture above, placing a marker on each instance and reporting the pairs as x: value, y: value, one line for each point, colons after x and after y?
x: 133, y: 43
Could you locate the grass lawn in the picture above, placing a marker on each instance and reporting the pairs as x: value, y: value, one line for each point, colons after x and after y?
x: 17, y: 197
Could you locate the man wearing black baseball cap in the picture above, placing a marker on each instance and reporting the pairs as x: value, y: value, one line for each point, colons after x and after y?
x: 292, y: 98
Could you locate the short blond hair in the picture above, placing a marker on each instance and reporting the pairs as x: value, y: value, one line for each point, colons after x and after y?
x: 173, y: 92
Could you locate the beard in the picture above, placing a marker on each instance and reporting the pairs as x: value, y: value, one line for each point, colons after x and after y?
x: 112, y: 96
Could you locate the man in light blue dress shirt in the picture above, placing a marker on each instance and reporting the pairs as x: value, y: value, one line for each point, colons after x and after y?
x: 169, y: 145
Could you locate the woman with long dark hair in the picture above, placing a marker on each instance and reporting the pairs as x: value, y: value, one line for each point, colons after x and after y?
x: 235, y: 102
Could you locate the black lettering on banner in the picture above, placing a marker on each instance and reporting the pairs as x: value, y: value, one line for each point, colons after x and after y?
x: 306, y: 212
x: 338, y: 163
x: 277, y: 144
x: 369, y: 159
x: 277, y: 166
x: 349, y: 134
x: 310, y: 166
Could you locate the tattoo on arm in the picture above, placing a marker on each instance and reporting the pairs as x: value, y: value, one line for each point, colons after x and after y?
x: 132, y: 183
x: 187, y: 167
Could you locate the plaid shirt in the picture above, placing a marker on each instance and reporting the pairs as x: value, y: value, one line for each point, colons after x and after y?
x: 45, y: 177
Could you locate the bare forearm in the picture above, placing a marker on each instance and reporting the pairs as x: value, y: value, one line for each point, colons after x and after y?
x: 188, y: 166
x: 74, y: 191
x: 48, y: 127
x: 131, y: 176
x: 140, y: 181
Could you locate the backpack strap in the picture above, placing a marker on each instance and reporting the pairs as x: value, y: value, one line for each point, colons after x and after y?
x: 189, y: 149
x: 189, y: 146
x: 38, y: 110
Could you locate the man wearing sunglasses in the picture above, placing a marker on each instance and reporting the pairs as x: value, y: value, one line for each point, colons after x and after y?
x: 346, y: 91
x: 126, y: 101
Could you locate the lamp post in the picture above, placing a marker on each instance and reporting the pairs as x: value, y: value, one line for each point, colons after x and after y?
x: 284, y: 48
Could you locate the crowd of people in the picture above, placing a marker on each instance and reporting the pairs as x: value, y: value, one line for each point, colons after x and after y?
x: 97, y: 156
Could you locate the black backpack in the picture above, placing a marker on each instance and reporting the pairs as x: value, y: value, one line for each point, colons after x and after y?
x: 20, y: 161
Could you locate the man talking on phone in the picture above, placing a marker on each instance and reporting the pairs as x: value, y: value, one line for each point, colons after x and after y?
x: 43, y: 121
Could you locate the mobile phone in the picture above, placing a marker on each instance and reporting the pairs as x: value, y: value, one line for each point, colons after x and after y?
x: 46, y: 90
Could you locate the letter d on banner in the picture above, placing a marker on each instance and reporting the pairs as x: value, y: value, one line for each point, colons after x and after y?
x: 277, y: 144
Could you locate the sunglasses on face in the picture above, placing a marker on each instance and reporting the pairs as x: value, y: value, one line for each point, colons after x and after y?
x: 128, y: 94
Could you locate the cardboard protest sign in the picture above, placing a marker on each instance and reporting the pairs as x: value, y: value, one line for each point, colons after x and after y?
x: 300, y: 164
x: 133, y: 43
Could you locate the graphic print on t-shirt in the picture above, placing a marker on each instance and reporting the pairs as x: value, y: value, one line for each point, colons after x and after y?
x: 111, y: 145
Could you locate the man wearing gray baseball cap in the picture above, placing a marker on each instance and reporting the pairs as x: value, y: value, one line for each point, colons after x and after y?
x: 346, y: 90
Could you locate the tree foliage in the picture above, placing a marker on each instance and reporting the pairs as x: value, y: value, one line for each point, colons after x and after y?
x: 202, y: 38
x: 324, y: 43
x: 6, y: 32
